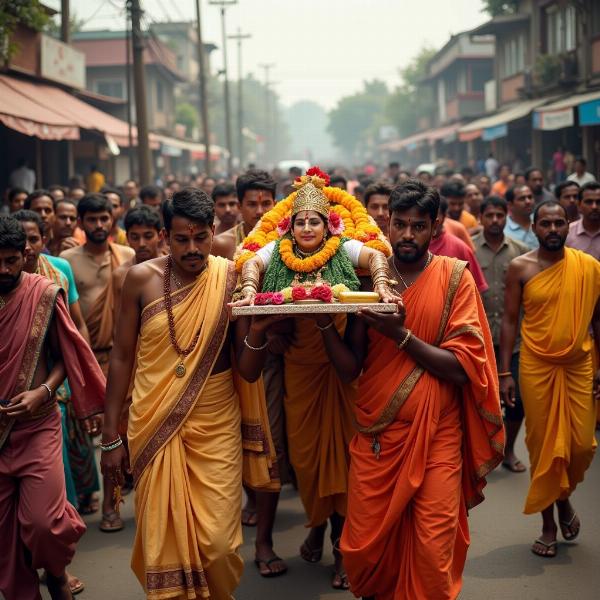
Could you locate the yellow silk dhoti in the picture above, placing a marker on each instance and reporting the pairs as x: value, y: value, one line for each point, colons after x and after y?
x: 188, y: 437
x: 185, y: 501
x: 556, y: 376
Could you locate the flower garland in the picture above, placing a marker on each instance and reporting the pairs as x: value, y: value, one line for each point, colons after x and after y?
x: 310, y: 263
x: 354, y: 216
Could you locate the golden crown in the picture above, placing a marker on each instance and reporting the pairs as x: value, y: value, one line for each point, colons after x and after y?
x: 310, y: 197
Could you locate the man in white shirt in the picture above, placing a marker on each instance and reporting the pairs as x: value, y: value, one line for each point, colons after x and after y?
x: 22, y: 177
x: 581, y: 176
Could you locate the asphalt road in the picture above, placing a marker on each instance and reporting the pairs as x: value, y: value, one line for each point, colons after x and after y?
x: 500, y: 565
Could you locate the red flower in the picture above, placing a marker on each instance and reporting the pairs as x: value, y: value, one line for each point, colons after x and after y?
x: 316, y: 171
x: 263, y: 298
x: 278, y: 298
x: 298, y: 293
x: 335, y: 223
x: 252, y: 246
x: 321, y: 292
x: 284, y: 226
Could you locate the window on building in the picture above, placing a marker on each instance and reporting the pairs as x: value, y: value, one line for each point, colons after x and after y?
x: 111, y: 87
x: 561, y: 29
x: 514, y: 55
x: 480, y: 74
x: 160, y: 96
x: 595, y: 20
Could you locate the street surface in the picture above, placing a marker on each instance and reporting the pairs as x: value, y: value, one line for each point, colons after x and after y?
x: 500, y: 565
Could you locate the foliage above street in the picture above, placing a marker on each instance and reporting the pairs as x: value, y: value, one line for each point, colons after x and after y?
x: 495, y: 8
x: 29, y: 13
x: 355, y: 123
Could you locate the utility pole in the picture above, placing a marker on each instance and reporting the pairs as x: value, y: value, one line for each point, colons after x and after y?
x: 203, y: 104
x: 65, y: 24
x: 139, y: 83
x: 128, y: 88
x: 224, y: 4
x: 240, y: 117
x: 267, y: 67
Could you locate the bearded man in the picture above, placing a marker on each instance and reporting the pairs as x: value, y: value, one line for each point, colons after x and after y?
x: 427, y: 412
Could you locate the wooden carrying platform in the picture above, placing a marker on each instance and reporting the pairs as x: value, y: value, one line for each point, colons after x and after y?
x: 301, y: 308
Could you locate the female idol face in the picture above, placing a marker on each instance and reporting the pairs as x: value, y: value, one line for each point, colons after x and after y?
x: 309, y: 230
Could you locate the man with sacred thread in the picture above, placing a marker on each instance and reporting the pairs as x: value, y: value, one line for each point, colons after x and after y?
x: 319, y: 236
x: 427, y: 413
x: 190, y: 431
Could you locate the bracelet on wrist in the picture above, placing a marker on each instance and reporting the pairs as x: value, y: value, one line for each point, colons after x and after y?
x: 405, y: 340
x: 255, y: 348
x: 111, y: 445
x: 505, y: 374
x: 48, y: 389
x: 330, y: 324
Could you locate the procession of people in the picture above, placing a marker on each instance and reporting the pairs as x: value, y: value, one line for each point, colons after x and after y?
x: 120, y: 343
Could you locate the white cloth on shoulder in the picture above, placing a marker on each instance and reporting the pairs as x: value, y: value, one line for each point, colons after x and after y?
x: 352, y: 248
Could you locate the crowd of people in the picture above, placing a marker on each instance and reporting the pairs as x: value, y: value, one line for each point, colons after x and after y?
x: 115, y: 307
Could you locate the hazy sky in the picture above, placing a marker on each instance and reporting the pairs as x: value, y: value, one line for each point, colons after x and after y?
x: 322, y: 49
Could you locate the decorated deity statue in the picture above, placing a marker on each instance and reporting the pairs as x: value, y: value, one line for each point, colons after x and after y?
x: 308, y: 249
x: 310, y: 246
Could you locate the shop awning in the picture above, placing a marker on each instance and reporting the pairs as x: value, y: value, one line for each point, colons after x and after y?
x: 36, y: 99
x: 446, y: 134
x: 174, y: 147
x: 560, y: 114
x: 31, y: 117
x: 496, y: 126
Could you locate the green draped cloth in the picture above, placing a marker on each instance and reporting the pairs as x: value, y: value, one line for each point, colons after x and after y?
x: 338, y: 270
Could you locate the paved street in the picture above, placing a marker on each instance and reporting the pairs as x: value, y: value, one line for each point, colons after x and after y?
x: 500, y: 565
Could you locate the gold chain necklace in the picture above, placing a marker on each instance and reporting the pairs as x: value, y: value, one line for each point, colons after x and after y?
x: 429, y: 259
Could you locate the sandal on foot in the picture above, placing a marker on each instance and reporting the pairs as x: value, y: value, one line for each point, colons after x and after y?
x: 550, y: 548
x: 311, y: 555
x: 515, y: 467
x: 266, y: 564
x: 565, y: 527
x: 342, y: 577
x: 89, y: 506
x: 75, y: 585
x: 111, y: 522
x: 249, y: 518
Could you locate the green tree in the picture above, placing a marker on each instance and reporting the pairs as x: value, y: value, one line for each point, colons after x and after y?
x: 29, y: 13
x: 355, y: 119
x: 496, y: 8
x: 187, y: 115
x: 411, y: 101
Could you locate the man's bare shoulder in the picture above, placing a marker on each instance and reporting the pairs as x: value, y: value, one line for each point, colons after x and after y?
x: 69, y: 253
x: 524, y: 260
x: 125, y: 252
x: 224, y: 244
x: 146, y: 271
x: 120, y: 272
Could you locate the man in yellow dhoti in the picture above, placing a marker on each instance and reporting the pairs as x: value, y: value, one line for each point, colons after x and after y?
x: 559, y: 288
x: 186, y: 426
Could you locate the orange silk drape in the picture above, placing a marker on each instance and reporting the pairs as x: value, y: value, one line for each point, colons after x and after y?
x: 406, y: 532
x: 318, y: 409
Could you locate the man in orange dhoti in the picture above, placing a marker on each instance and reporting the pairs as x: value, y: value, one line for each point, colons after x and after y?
x: 38, y: 347
x: 559, y: 290
x: 428, y: 414
x: 187, y: 433
x: 93, y: 265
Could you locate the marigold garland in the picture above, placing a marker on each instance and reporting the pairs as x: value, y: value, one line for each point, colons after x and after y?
x: 310, y: 263
x: 357, y: 225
